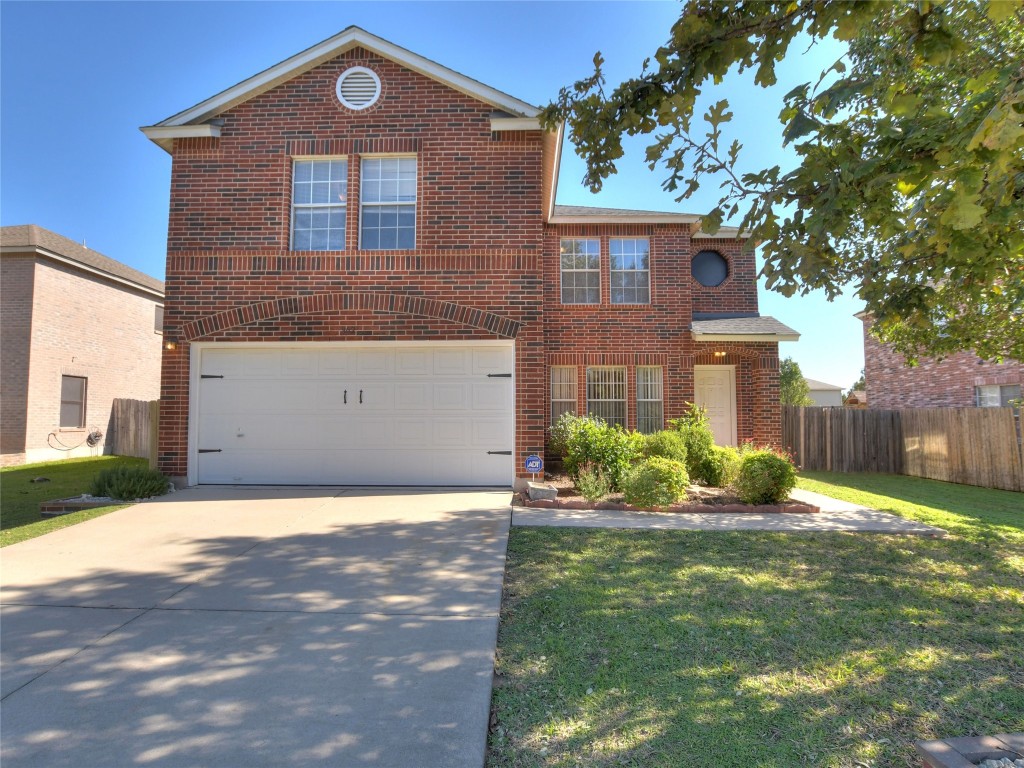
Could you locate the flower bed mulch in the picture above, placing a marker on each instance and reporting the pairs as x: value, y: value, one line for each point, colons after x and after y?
x: 700, y: 500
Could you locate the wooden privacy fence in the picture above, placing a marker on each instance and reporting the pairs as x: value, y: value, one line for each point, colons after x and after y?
x: 974, y: 446
x: 134, y: 428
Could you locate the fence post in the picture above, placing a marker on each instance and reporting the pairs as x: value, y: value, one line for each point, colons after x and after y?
x: 154, y: 432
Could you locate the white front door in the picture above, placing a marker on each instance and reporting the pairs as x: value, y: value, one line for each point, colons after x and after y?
x: 715, y: 390
x: 336, y: 414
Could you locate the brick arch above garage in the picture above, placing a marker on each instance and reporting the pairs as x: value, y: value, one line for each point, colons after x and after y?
x: 398, y: 304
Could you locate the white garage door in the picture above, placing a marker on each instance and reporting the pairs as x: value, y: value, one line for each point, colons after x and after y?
x: 349, y: 415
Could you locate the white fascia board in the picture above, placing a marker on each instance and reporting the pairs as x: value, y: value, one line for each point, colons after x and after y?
x: 515, y: 124
x: 48, y: 254
x: 716, y: 337
x: 557, y: 167
x: 668, y: 218
x: 335, y: 46
x: 164, y: 136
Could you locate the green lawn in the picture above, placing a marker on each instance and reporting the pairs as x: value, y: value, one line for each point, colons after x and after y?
x: 19, y: 497
x: 759, y: 649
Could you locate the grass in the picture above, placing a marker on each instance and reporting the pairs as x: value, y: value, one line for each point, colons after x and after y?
x: 20, y: 498
x: 644, y: 648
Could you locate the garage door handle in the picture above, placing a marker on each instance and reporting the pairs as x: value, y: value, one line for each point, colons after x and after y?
x: 344, y: 397
x: 499, y: 375
x: 360, y: 397
x: 209, y: 376
x: 499, y: 453
x: 209, y: 450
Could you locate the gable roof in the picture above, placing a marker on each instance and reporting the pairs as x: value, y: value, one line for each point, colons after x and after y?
x: 192, y: 121
x: 746, y: 328
x: 33, y: 239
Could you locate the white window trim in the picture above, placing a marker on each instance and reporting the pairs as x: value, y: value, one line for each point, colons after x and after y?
x: 562, y: 271
x: 612, y: 271
x: 625, y: 391
x: 292, y: 204
x: 415, y: 203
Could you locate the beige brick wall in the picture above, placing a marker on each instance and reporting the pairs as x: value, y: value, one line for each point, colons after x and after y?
x: 16, y: 279
x: 86, y: 326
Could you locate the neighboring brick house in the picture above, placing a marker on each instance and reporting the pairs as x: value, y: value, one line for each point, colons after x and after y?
x: 77, y: 330
x: 369, y: 281
x: 961, y: 380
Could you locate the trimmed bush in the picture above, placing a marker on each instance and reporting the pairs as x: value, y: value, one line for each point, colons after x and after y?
x: 696, y: 431
x: 589, y: 440
x: 592, y: 483
x: 128, y: 483
x: 765, y: 477
x: 668, y: 444
x: 722, y: 466
x: 562, y: 432
x: 655, y: 482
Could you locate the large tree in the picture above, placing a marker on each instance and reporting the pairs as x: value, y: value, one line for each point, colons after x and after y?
x: 909, y: 180
x: 793, y: 387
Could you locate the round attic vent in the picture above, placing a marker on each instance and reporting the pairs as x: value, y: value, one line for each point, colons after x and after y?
x: 358, y: 88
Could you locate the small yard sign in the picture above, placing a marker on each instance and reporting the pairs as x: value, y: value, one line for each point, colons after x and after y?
x: 534, y: 464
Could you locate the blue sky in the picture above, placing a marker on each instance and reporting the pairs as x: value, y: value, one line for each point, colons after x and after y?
x: 78, y: 79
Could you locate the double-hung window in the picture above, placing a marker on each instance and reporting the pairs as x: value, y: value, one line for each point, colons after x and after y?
x: 630, y: 270
x: 72, y: 402
x: 563, y: 390
x: 996, y: 396
x: 606, y: 394
x: 387, y: 216
x: 581, y: 271
x: 649, y: 399
x: 319, y: 190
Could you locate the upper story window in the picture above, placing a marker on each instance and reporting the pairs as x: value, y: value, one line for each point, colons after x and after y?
x: 387, y: 216
x: 709, y: 268
x: 581, y: 271
x: 72, y: 401
x: 996, y: 396
x: 630, y: 270
x: 319, y: 192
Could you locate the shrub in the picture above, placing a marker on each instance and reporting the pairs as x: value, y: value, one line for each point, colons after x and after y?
x: 127, y: 483
x: 590, y: 440
x: 668, y: 444
x: 655, y: 482
x: 722, y: 466
x: 592, y: 483
x: 699, y: 439
x: 765, y: 477
x: 562, y: 432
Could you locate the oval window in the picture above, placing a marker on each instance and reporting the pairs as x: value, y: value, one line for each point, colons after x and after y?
x: 358, y: 88
x: 709, y: 268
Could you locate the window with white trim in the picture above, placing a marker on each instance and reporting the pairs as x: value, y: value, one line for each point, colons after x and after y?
x: 581, y: 271
x: 319, y: 191
x: 387, y: 212
x: 649, y: 399
x: 72, y: 401
x: 563, y: 390
x: 630, y: 274
x: 606, y: 394
x: 997, y: 396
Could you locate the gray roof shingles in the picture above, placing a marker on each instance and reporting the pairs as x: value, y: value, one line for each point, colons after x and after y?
x: 743, y: 326
x: 30, y: 236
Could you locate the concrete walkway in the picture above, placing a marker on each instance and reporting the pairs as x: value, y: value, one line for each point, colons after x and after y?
x: 256, y: 627
x: 835, y: 515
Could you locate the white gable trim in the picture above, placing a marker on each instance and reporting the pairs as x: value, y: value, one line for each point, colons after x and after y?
x: 515, y: 124
x: 346, y: 40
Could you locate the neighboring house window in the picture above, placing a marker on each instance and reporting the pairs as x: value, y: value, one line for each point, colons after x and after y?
x: 606, y: 394
x: 319, y: 191
x: 388, y: 203
x: 158, y: 319
x: 72, y: 401
x: 996, y: 396
x: 563, y: 390
x: 630, y: 270
x: 581, y: 271
x: 649, y: 399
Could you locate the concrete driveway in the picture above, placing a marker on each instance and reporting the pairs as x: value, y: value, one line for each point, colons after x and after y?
x: 256, y: 627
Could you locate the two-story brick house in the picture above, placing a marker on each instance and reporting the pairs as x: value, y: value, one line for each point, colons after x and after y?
x: 369, y: 282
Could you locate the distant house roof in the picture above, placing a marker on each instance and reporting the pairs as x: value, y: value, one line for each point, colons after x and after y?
x: 815, y: 385
x: 748, y: 328
x: 29, y: 237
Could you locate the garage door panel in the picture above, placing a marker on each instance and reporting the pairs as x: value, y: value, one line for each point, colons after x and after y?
x: 292, y: 415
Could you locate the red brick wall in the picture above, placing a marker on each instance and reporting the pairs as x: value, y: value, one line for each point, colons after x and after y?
x: 81, y: 325
x: 931, y: 384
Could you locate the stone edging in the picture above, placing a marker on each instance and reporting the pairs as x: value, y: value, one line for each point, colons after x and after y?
x: 695, y: 509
